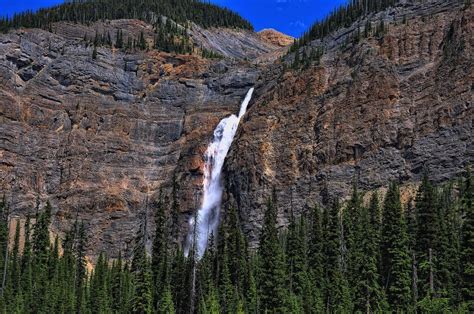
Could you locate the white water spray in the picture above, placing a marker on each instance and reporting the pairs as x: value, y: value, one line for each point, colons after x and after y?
x: 208, y: 214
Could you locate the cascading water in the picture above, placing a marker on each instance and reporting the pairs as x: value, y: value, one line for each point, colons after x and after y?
x: 208, y: 215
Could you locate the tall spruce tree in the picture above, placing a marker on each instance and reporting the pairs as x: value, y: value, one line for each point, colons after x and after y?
x: 337, y: 293
x: 272, y: 279
x: 41, y: 248
x: 427, y: 235
x: 467, y: 242
x: 3, y: 235
x: 352, y: 234
x: 368, y: 294
x: 395, y: 257
x: 296, y: 256
x: 315, y: 255
x: 448, y: 245
x: 143, y: 296
x: 159, y: 251
x: 237, y: 251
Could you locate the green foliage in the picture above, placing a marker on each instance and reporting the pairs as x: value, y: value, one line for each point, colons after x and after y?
x: 169, y: 18
x: 337, y: 293
x: 434, y: 305
x: 467, y: 242
x: 271, y: 283
x: 427, y: 231
x: 395, y: 256
x: 352, y: 258
x: 209, y: 54
x: 87, y: 11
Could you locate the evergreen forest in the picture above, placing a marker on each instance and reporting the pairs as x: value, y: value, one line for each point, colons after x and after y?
x: 88, y: 11
x: 366, y: 255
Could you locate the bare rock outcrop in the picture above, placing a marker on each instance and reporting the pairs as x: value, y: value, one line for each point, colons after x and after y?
x: 274, y: 37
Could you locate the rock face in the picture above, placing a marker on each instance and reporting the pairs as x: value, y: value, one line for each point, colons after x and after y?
x: 232, y: 43
x: 275, y: 37
x: 375, y: 111
x: 99, y: 137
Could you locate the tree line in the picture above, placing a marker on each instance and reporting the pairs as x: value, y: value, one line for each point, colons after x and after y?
x: 346, y: 15
x: 343, y: 16
x: 168, y: 36
x: 371, y: 256
x: 88, y: 11
x: 170, y: 20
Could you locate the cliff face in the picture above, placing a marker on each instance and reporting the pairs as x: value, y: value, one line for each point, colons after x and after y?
x: 275, y: 37
x: 97, y: 137
x: 378, y: 110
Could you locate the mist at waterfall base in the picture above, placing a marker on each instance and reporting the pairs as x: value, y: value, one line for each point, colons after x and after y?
x: 209, y: 212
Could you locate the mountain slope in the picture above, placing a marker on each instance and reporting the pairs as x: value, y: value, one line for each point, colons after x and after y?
x: 89, y: 11
x: 98, y: 127
x: 374, y: 109
x: 97, y: 136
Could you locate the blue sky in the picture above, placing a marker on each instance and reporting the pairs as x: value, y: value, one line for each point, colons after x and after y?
x: 289, y: 16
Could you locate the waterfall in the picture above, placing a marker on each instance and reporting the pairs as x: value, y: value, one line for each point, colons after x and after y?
x: 208, y: 214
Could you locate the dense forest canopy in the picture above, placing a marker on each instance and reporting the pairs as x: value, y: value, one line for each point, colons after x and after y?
x: 377, y: 256
x: 87, y: 11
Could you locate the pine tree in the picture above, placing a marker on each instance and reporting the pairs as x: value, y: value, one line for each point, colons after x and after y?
x: 179, y: 283
x: 252, y: 297
x: 98, y: 296
x: 237, y: 251
x: 143, y: 296
x: 4, y: 211
x: 41, y: 241
x: 375, y: 214
x: 116, y: 283
x: 41, y: 249
x: 337, y: 293
x: 395, y: 257
x: 166, y: 303
x: 226, y: 289
x: 297, y: 268
x: 26, y: 266
x: 80, y: 265
x: 352, y: 237
x: 272, y: 265
x: 369, y: 296
x: 427, y: 234
x: 467, y: 243
x: 448, y: 245
x: 159, y: 251
x: 316, y: 257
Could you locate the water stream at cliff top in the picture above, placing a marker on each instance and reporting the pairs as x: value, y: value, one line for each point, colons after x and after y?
x: 208, y: 214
